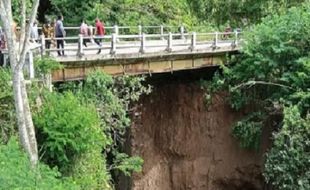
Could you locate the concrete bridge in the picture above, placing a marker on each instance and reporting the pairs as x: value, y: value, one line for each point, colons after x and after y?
x: 140, y: 53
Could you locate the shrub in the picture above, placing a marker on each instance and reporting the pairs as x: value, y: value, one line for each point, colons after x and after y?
x: 7, y: 115
x: 89, y: 170
x: 288, y: 162
x: 16, y: 171
x: 66, y: 129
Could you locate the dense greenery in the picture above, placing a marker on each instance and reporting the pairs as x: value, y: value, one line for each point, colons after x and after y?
x: 112, y: 98
x: 7, y: 117
x: 126, y: 12
x: 156, y: 12
x: 75, y: 133
x: 236, y: 12
x: 16, y: 171
x: 288, y: 163
x: 66, y: 129
x: 273, y: 73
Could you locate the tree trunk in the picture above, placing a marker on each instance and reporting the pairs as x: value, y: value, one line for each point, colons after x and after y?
x: 29, y: 123
x: 17, y: 59
x: 19, y: 109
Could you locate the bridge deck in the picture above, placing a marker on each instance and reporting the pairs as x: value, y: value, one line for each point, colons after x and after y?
x: 136, y: 54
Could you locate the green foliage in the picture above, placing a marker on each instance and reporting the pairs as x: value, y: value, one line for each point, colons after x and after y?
x: 16, y: 5
x: 16, y: 172
x: 46, y: 65
x: 89, y: 170
x: 112, y: 97
x: 66, y: 129
x: 272, y: 73
x: 288, y: 162
x: 249, y: 130
x: 236, y: 12
x: 126, y: 12
x: 127, y: 164
x: 7, y: 114
x: 73, y: 11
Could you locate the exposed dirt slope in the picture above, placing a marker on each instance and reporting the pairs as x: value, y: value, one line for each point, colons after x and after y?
x: 187, y: 146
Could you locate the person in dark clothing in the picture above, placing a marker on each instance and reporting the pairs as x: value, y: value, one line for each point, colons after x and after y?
x: 60, y: 33
x: 99, y: 33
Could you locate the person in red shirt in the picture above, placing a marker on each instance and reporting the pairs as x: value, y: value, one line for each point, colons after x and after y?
x: 99, y: 33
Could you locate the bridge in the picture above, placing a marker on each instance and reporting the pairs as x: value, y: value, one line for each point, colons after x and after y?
x: 142, y: 53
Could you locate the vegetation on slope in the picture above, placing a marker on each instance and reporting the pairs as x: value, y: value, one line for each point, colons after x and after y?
x: 272, y: 77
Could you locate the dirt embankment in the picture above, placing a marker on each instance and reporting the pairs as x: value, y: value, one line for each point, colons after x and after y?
x: 186, y: 146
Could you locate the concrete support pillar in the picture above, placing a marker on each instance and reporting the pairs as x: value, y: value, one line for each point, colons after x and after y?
x: 91, y: 29
x: 169, y: 42
x: 142, y: 46
x: 113, y: 44
x: 31, y: 65
x: 182, y: 32
x: 81, y: 49
x: 162, y: 32
x: 116, y: 29
x: 193, y: 41
x: 42, y: 45
x: 140, y: 29
x: 215, y: 43
x: 236, y: 39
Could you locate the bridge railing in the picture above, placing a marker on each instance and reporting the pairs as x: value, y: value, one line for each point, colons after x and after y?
x: 162, y: 29
x: 141, y: 43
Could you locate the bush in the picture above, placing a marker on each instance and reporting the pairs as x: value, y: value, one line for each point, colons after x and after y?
x: 66, y: 129
x: 288, y: 163
x: 16, y: 171
x: 90, y: 172
x: 249, y: 130
x: 7, y: 114
x: 113, y: 97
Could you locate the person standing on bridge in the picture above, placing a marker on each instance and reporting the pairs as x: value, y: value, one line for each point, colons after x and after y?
x: 99, y: 33
x: 47, y: 31
x: 60, y: 33
x: 34, y: 34
x: 84, y: 32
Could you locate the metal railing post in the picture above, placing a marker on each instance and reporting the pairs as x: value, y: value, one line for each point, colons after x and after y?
x: 113, y: 44
x: 169, y: 41
x: 162, y: 32
x: 42, y: 45
x: 142, y: 47
x: 81, y: 50
x: 193, y: 41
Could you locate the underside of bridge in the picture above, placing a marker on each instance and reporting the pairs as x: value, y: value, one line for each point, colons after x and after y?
x: 78, y: 69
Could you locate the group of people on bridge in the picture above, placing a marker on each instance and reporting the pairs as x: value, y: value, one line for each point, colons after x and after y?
x: 54, y: 34
x: 55, y: 31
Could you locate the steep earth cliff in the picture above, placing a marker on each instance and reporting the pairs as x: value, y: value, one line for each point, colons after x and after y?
x: 187, y: 146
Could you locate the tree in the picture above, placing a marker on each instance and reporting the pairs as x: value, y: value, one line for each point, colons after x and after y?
x: 17, y: 57
x: 238, y: 12
x: 271, y: 77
